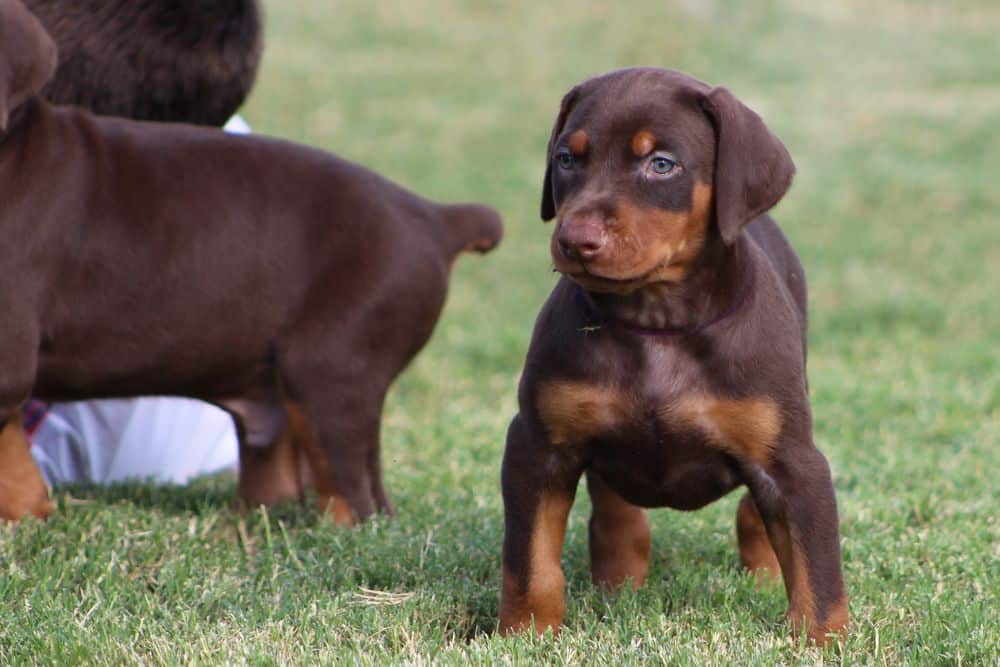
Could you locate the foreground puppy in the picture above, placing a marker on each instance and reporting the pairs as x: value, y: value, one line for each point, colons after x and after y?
x: 280, y: 282
x: 190, y: 61
x: 668, y: 365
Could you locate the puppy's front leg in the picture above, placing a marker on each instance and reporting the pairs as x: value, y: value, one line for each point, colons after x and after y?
x: 538, y: 490
x: 797, y: 504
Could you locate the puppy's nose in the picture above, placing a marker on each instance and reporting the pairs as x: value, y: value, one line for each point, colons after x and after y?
x: 581, y: 240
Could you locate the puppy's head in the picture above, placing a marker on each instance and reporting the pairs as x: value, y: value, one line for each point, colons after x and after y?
x: 28, y: 58
x: 648, y: 167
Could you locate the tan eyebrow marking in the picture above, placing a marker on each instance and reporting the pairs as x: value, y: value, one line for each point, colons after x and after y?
x: 577, y: 142
x: 643, y: 143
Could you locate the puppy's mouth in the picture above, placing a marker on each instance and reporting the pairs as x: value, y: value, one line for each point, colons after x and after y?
x: 595, y: 282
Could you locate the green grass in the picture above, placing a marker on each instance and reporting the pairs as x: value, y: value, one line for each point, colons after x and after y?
x: 891, y: 111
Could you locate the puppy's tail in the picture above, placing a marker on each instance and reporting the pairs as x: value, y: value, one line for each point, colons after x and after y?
x: 470, y: 227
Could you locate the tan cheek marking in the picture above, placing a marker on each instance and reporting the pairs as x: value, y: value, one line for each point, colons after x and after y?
x: 701, y: 202
x: 746, y: 428
x: 689, y: 236
x: 643, y: 143
x: 544, y: 599
x: 572, y: 412
x: 22, y: 491
x: 659, y: 244
x: 577, y: 142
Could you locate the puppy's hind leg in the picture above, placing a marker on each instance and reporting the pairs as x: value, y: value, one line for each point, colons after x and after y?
x: 22, y: 491
x: 620, y: 538
x: 273, y: 463
x: 756, y: 553
x: 339, y: 417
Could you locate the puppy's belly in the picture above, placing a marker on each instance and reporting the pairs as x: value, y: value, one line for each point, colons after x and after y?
x: 124, y: 375
x: 669, y: 472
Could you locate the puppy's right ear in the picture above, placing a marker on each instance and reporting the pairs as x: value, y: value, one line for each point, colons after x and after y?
x: 548, y: 197
x: 28, y: 58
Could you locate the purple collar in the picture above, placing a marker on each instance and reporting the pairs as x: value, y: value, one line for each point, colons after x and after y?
x: 601, y: 319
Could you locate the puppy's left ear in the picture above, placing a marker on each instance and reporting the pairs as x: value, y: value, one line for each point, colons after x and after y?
x: 753, y: 169
x: 28, y: 58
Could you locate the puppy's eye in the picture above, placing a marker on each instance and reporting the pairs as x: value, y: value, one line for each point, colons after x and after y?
x: 565, y: 160
x: 662, y: 165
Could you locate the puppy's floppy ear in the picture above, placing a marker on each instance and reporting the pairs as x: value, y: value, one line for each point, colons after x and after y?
x: 753, y: 169
x: 28, y: 57
x: 548, y: 197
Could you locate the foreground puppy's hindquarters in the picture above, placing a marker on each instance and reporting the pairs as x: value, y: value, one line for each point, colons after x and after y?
x: 668, y: 365
x: 284, y: 284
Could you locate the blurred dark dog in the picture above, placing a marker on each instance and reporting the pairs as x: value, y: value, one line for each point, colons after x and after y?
x: 191, y: 61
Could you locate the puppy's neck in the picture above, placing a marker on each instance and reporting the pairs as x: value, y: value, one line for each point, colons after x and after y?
x: 713, y: 288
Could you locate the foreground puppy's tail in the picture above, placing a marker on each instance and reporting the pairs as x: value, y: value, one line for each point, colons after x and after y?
x: 471, y: 228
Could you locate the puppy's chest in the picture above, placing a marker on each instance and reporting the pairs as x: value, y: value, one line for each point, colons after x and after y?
x: 665, y: 409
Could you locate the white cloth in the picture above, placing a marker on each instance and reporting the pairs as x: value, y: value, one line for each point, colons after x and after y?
x: 236, y: 125
x: 165, y: 439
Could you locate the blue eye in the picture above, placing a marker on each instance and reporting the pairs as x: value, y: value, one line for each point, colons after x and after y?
x: 662, y: 165
x: 565, y: 159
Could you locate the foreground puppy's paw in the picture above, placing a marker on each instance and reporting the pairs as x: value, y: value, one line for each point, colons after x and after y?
x: 821, y: 634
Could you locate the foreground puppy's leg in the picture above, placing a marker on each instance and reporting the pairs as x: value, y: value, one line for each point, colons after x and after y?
x: 619, y: 537
x: 538, y: 493
x: 756, y: 553
x: 22, y: 490
x: 797, y: 504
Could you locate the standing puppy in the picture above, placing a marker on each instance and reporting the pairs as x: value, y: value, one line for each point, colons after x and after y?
x: 283, y: 283
x: 668, y: 365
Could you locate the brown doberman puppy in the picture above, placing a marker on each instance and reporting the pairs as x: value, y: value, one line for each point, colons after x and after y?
x: 278, y: 281
x: 668, y: 365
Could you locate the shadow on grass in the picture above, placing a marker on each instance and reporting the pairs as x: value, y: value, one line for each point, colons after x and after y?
x: 204, y: 495
x: 199, y: 497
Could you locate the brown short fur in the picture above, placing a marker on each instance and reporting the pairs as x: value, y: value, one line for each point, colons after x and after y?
x: 668, y: 365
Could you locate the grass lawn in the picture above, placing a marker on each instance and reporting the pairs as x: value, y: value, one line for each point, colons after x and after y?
x: 891, y: 111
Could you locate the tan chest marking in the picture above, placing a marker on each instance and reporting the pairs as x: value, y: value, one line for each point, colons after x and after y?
x: 573, y: 412
x: 743, y: 427
x: 576, y: 411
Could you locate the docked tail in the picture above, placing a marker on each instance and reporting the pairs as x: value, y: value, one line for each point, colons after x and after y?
x: 470, y: 227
